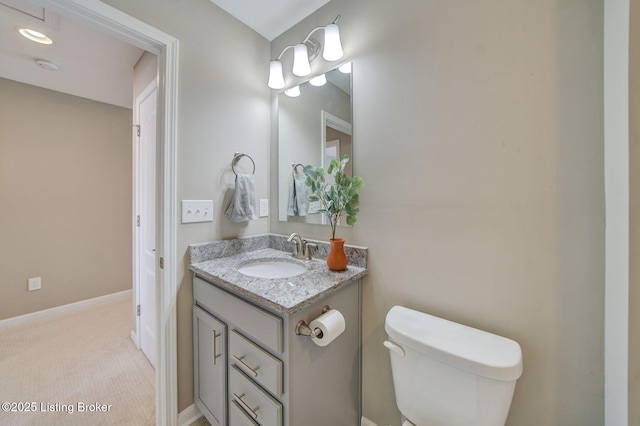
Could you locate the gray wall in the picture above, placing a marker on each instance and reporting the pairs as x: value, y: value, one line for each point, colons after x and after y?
x: 65, y: 186
x: 478, y: 129
x: 634, y: 215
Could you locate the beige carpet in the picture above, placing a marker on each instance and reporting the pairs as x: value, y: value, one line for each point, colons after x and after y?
x: 77, y: 361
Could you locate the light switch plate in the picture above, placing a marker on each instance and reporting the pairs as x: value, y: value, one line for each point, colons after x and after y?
x: 197, y: 211
x: 264, y: 207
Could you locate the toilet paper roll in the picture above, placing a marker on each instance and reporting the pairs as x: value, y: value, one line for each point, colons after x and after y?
x: 331, y: 324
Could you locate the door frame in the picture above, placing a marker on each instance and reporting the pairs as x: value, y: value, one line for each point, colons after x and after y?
x: 136, y: 335
x: 105, y: 18
x: 616, y: 175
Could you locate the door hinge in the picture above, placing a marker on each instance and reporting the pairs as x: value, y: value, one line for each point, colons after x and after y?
x: 138, y: 310
x: 138, y: 221
x: 137, y: 126
x: 162, y: 263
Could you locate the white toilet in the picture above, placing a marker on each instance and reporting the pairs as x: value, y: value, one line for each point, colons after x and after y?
x: 446, y: 373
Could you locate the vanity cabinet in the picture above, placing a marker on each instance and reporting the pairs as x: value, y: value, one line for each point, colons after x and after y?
x: 209, y: 337
x: 252, y: 369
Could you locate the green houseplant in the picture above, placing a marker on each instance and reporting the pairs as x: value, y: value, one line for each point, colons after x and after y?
x: 336, y: 198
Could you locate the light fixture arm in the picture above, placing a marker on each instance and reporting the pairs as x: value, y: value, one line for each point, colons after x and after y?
x: 291, y: 46
x: 306, y: 39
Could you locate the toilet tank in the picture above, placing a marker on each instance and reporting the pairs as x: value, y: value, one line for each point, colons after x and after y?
x: 445, y: 373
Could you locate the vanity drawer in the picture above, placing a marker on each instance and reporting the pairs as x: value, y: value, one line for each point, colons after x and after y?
x: 256, y: 363
x: 237, y: 417
x: 254, y: 403
x: 256, y: 323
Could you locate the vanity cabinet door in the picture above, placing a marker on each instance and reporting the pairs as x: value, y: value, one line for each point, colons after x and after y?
x: 210, y: 364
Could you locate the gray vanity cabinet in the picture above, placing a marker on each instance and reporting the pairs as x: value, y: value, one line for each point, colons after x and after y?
x: 273, y: 376
x: 210, y: 363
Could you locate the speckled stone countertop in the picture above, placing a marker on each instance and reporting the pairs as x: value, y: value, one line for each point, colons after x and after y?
x: 283, y: 295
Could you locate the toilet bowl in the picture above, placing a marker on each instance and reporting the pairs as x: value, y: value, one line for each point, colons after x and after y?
x: 449, y: 374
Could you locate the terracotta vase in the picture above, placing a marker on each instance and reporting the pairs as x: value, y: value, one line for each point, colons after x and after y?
x: 337, y: 259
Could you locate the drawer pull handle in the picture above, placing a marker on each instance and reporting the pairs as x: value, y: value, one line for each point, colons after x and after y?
x: 244, y: 405
x: 215, y: 336
x: 254, y: 371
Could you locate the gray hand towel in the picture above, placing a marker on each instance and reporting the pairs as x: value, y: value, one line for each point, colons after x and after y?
x: 298, y: 202
x: 242, y: 207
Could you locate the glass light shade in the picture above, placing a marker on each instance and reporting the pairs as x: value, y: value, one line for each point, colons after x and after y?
x: 345, y: 68
x: 301, y: 60
x: 276, y: 79
x: 319, y: 80
x: 293, y: 92
x: 332, y: 47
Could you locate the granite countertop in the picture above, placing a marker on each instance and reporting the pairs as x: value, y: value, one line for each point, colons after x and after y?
x: 283, y: 295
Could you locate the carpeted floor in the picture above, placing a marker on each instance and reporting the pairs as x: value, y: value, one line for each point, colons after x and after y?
x: 78, y: 368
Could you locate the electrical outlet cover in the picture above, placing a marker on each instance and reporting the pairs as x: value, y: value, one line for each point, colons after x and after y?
x: 35, y: 283
x: 264, y: 207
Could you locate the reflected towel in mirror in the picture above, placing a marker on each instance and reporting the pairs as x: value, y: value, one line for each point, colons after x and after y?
x: 298, y: 191
x: 242, y: 207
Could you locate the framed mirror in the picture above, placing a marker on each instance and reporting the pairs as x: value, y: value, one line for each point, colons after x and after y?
x: 313, y: 128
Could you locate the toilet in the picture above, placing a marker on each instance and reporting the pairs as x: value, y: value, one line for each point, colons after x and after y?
x: 449, y: 374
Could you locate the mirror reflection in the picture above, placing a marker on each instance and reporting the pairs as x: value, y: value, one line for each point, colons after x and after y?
x: 314, y: 127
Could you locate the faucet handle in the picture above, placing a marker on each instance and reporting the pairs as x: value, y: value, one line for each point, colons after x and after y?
x: 307, y: 249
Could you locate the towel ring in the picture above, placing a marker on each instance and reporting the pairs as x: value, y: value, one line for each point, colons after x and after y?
x: 236, y: 157
x: 295, y: 166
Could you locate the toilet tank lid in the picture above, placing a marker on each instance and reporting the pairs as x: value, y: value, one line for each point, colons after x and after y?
x: 464, y: 347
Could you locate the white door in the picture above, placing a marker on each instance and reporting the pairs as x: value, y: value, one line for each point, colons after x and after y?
x: 146, y: 104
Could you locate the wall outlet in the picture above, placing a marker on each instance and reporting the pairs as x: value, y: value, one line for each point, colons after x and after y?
x: 264, y: 207
x: 35, y: 283
x: 197, y: 211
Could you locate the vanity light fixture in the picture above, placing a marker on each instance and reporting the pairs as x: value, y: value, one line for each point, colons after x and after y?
x: 345, y: 68
x: 305, y: 52
x: 33, y: 35
x: 293, y: 92
x: 319, y: 80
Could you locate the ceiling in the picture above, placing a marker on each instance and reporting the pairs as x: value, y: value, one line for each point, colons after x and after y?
x: 97, y: 66
x: 270, y: 18
x: 91, y: 64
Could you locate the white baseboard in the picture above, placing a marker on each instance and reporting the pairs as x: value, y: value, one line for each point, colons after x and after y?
x: 23, y: 319
x: 189, y: 415
x: 134, y: 338
x: 366, y: 422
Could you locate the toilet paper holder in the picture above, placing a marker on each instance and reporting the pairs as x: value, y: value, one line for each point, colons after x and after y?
x: 302, y: 329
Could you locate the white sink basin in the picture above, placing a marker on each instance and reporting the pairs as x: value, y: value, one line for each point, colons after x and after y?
x: 272, y: 268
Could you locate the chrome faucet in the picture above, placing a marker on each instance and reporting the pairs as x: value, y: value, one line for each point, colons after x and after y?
x: 301, y: 248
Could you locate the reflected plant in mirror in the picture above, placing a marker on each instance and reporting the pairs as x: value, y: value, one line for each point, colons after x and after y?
x: 337, y: 195
x: 314, y: 127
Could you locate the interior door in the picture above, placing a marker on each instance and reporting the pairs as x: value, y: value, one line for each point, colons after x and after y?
x: 147, y: 221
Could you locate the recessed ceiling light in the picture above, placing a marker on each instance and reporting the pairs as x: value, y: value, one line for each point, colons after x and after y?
x: 35, y: 36
x: 47, y: 65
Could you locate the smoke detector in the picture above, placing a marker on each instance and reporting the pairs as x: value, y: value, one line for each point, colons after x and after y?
x: 47, y: 65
